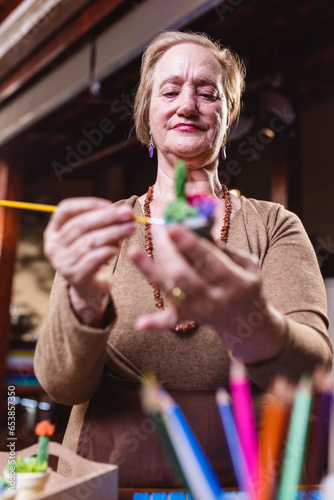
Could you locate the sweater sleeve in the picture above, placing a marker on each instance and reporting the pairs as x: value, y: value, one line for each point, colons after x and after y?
x: 294, y: 285
x: 70, y: 356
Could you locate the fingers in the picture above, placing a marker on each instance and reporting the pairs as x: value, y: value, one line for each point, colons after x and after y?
x: 69, y: 208
x: 168, y: 317
x: 160, y: 320
x: 214, y: 283
x: 191, y: 263
x: 210, y: 261
x: 175, y: 269
x: 107, y: 237
x: 145, y: 264
x: 99, y: 293
x: 79, y: 225
x: 110, y: 218
x: 207, y: 259
x: 73, y: 223
x: 83, y: 235
x: 244, y: 259
x: 83, y: 269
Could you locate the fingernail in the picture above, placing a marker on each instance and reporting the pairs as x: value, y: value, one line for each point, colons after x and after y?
x: 128, y: 228
x: 104, y: 203
x: 176, y: 233
x: 140, y: 324
x: 124, y: 213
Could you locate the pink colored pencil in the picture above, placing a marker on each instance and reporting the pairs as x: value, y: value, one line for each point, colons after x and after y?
x: 245, y: 422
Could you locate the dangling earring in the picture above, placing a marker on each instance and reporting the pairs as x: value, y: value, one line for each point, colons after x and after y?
x: 223, y: 152
x: 150, y: 149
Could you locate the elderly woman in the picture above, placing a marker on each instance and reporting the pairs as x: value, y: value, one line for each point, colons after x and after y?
x: 260, y: 297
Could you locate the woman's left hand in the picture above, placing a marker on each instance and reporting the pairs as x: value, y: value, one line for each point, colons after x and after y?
x: 221, y: 288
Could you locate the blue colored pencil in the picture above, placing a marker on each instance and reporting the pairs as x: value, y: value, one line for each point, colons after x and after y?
x: 200, y: 477
x: 232, y: 438
x: 206, y: 467
x: 151, y: 407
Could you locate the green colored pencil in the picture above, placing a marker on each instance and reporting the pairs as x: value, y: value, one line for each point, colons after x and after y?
x: 151, y: 407
x: 296, y: 443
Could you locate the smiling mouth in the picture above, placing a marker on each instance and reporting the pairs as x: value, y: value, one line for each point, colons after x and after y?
x: 186, y: 127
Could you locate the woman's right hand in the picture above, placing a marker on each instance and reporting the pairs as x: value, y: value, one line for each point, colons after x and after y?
x: 82, y: 236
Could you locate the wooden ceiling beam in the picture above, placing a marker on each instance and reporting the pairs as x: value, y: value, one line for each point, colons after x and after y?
x: 29, y: 26
x: 116, y: 46
x: 6, y: 7
x: 60, y: 43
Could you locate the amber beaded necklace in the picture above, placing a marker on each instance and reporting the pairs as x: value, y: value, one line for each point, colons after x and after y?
x: 190, y: 325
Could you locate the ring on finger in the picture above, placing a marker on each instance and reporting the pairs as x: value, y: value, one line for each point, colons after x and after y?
x: 176, y: 296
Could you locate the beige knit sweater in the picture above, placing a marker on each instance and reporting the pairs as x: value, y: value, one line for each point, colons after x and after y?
x: 98, y: 371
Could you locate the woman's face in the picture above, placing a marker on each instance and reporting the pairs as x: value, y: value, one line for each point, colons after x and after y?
x: 188, y: 112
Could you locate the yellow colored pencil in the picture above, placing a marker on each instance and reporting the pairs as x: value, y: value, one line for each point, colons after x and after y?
x: 28, y: 206
x: 39, y: 207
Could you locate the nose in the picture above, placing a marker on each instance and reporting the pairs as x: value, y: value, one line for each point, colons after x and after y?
x: 187, y: 103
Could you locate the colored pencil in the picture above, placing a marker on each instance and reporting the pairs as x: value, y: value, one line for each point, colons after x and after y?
x: 232, y: 438
x: 151, y: 407
x: 199, y: 475
x: 274, y: 421
x: 318, y: 436
x: 297, y: 434
x: 245, y: 422
x: 39, y: 207
x: 191, y: 223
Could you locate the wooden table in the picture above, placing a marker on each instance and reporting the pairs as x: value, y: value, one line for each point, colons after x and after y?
x: 127, y: 493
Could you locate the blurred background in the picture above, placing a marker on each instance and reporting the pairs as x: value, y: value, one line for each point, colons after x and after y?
x: 68, y: 76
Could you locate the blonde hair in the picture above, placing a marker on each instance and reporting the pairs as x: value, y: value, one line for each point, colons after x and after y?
x: 233, y: 75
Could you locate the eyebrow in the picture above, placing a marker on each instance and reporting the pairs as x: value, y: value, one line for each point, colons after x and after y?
x: 178, y: 79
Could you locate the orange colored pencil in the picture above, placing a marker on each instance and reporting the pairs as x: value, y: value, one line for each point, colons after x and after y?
x: 273, y: 426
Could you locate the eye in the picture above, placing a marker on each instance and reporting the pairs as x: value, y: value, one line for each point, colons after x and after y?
x: 170, y: 94
x: 209, y: 96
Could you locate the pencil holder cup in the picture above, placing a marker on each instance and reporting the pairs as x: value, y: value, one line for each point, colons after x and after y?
x: 29, y: 484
